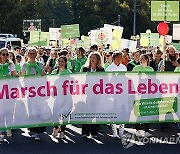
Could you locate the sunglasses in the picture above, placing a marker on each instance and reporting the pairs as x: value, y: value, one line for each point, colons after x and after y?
x: 5, y: 54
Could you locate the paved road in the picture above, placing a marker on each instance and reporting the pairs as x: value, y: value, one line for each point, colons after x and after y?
x: 21, y: 142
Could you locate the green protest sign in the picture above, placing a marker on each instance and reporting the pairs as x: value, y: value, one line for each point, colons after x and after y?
x: 39, y: 38
x: 164, y: 10
x: 176, y: 45
x: 153, y: 37
x: 70, y: 31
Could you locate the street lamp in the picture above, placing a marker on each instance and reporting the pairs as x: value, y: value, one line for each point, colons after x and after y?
x: 134, y: 23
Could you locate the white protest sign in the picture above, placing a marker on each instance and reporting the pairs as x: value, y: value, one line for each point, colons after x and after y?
x: 168, y: 39
x: 54, y: 34
x: 113, y: 27
x: 128, y: 44
x: 102, y: 36
x: 176, y: 31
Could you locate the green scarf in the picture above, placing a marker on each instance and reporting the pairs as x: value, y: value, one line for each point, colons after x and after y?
x: 133, y: 63
x: 4, y: 69
x: 30, y: 65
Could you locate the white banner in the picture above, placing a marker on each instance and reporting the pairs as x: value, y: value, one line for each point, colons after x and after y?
x: 89, y: 98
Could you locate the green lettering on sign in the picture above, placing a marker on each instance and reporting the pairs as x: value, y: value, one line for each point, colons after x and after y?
x: 164, y: 11
x: 70, y: 31
x: 155, y: 106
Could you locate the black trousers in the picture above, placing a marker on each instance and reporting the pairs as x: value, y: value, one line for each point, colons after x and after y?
x: 88, y: 129
x: 38, y: 129
x: 139, y: 126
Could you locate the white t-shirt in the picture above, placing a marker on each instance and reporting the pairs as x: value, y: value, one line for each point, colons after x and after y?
x: 114, y: 67
x: 11, y: 67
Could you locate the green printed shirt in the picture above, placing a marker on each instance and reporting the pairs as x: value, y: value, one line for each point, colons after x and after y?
x: 78, y: 63
x: 140, y: 68
x: 65, y: 72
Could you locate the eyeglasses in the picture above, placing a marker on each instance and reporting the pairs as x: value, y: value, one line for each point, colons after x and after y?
x: 32, y: 53
x: 5, y: 54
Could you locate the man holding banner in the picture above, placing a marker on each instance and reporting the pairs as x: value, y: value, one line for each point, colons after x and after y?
x: 117, y: 66
x: 34, y: 68
x: 170, y: 65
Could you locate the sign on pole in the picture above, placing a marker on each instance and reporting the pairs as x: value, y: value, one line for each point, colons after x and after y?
x: 70, y: 31
x: 168, y: 39
x: 164, y: 10
x: 54, y: 34
x: 153, y: 38
x: 102, y: 36
x: 131, y: 45
x: 176, y: 31
x: 39, y: 38
x: 113, y: 27
x: 31, y: 25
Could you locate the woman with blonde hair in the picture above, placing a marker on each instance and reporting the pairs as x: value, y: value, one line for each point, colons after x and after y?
x: 93, y: 64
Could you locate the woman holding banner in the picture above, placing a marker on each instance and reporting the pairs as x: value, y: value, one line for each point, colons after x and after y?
x: 7, y: 68
x: 62, y: 70
x: 143, y: 67
x: 93, y: 64
x: 31, y: 67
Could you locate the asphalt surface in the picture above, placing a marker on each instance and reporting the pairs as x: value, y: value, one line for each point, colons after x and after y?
x: 22, y: 142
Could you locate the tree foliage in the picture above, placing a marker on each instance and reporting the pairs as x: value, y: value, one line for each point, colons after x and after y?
x: 90, y: 14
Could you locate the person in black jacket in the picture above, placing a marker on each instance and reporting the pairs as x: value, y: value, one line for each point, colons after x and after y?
x: 135, y: 61
x: 157, y: 58
x: 93, y: 64
x: 170, y: 65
